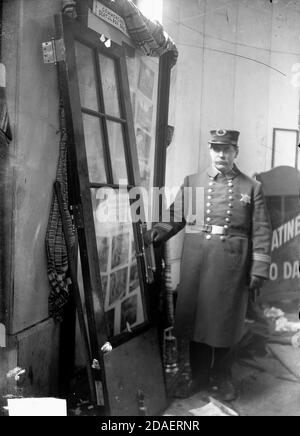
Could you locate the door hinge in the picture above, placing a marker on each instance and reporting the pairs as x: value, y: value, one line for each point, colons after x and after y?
x: 77, y: 215
x: 54, y: 51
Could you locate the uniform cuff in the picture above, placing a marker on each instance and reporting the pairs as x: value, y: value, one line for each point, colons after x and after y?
x: 260, y: 268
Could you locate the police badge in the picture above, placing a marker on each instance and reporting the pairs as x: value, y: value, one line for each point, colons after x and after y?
x: 246, y: 199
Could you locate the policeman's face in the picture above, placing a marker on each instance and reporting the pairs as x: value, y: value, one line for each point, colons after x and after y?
x: 223, y: 156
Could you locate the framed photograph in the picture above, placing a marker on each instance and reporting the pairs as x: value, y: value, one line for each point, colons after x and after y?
x: 146, y: 80
x: 120, y: 250
x: 134, y: 282
x: 143, y: 142
x: 104, y: 282
x: 144, y: 114
x: 145, y: 172
x: 118, y: 285
x: 285, y: 148
x: 128, y: 313
x: 103, y: 252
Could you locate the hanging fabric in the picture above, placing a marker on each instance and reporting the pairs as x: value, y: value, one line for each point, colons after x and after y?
x: 148, y: 35
x: 57, y: 255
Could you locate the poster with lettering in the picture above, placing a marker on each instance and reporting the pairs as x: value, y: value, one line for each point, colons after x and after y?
x: 281, y: 187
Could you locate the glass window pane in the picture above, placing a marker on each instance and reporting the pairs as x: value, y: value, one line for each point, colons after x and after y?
x: 123, y: 300
x: 116, y: 146
x: 145, y: 154
x: 86, y: 76
x: 94, y: 149
x: 143, y: 82
x: 110, y: 85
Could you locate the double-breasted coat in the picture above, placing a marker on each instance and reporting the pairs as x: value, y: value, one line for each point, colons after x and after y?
x: 216, y: 268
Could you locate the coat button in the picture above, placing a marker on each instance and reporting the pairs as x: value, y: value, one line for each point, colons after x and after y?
x: 209, y: 197
x: 222, y: 238
x: 210, y: 190
x: 228, y: 220
x: 230, y: 184
x: 208, y: 211
x: 230, y: 205
x: 208, y: 220
x: 226, y: 227
x: 230, y: 191
x: 229, y: 212
x: 208, y: 237
x: 231, y: 198
x: 208, y: 204
x: 211, y: 184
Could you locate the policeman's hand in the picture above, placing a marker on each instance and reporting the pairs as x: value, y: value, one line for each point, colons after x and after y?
x: 255, y: 285
x: 153, y: 235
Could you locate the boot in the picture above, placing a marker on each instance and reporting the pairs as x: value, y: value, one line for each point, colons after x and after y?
x: 200, y: 359
x: 221, y: 377
x: 225, y: 390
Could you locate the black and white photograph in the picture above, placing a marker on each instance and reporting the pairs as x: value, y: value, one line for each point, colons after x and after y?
x: 103, y: 247
x: 134, y: 282
x: 144, y: 115
x: 120, y: 250
x: 193, y: 310
x: 128, y: 312
x: 143, y: 142
x: 118, y: 285
x: 146, y: 80
x: 104, y: 283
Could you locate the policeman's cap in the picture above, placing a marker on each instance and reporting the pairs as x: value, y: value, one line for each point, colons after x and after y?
x: 224, y: 137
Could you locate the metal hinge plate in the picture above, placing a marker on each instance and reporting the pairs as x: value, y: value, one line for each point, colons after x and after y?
x: 77, y: 215
x: 54, y: 51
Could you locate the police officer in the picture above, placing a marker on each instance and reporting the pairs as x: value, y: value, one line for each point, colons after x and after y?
x: 226, y: 253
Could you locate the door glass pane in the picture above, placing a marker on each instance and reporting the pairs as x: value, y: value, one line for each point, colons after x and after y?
x: 116, y: 146
x: 110, y: 85
x: 117, y: 260
x: 143, y: 82
x: 86, y: 76
x: 94, y: 149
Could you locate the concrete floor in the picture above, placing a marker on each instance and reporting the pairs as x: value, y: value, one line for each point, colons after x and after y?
x: 266, y: 392
x: 266, y: 386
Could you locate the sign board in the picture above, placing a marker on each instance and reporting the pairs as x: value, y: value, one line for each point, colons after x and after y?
x: 109, y: 16
x: 281, y: 187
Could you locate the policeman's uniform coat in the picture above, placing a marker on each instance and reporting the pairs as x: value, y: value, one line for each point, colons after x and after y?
x: 216, y: 269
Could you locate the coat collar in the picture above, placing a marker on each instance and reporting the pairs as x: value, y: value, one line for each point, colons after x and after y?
x: 213, y: 172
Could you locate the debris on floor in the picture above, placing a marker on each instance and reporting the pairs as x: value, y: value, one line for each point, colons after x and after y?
x: 273, y: 312
x: 214, y: 408
x: 283, y: 325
